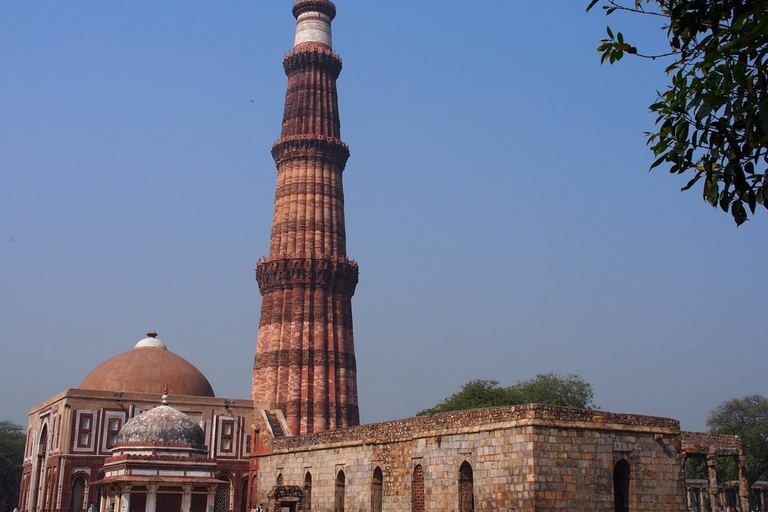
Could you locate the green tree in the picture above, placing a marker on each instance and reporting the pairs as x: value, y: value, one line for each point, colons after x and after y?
x: 11, y: 459
x: 548, y: 388
x: 552, y: 389
x: 712, y: 120
x: 747, y: 418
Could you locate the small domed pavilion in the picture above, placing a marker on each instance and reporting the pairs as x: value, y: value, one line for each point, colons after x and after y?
x: 107, y: 441
x: 159, y: 463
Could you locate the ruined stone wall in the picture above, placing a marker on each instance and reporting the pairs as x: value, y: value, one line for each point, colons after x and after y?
x: 526, y: 458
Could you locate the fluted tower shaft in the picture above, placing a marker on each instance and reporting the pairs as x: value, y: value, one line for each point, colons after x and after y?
x: 305, y: 357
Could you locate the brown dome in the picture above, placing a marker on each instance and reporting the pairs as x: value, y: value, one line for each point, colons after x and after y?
x: 148, y: 368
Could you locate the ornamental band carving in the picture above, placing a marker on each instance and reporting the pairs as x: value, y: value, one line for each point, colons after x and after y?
x: 337, y: 274
x: 314, y: 57
x: 304, y: 358
x: 311, y: 149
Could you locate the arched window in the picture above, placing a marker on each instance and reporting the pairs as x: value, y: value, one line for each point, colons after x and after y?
x: 279, y: 479
x: 377, y: 489
x: 621, y: 486
x: 338, y: 498
x: 221, y: 499
x: 77, y: 495
x: 308, y: 492
x: 417, y: 489
x: 466, y: 488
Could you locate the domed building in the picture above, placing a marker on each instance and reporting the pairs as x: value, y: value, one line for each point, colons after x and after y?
x: 86, y: 443
x: 160, y: 463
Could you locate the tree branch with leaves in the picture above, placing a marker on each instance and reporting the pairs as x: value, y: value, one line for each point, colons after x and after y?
x: 712, y: 120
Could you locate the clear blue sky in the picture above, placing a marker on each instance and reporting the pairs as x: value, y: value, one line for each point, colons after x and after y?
x: 498, y: 202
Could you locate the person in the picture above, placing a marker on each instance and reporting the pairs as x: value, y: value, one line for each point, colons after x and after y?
x: 259, y: 509
x: 16, y: 509
x: 91, y: 508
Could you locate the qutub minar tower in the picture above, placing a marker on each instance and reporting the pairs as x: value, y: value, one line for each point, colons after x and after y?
x: 305, y: 356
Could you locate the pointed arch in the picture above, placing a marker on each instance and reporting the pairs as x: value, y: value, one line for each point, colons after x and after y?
x: 244, y: 494
x: 77, y: 494
x: 377, y: 489
x: 417, y: 489
x: 340, y: 491
x: 621, y: 478
x: 38, y: 487
x: 308, y: 492
x: 466, y: 488
x: 221, y: 499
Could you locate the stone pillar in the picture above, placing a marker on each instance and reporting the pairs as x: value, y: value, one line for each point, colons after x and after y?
x: 210, y: 502
x: 741, y: 460
x: 712, y: 483
x: 125, y: 498
x: 186, y: 498
x: 151, y: 498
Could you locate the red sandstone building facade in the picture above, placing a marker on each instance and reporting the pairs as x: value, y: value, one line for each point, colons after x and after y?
x: 72, y: 434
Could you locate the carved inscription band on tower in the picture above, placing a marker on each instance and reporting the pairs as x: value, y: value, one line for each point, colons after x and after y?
x: 305, y: 356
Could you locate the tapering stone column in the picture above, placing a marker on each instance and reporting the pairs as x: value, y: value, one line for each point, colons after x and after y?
x: 305, y: 357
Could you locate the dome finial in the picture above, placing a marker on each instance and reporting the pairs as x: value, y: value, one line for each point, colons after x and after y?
x: 151, y: 341
x: 165, y: 395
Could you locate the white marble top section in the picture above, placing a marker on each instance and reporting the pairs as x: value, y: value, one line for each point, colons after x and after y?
x: 313, y: 27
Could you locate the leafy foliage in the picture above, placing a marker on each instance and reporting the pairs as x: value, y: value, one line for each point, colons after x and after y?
x: 747, y: 418
x: 11, y: 458
x: 549, y: 388
x: 713, y: 119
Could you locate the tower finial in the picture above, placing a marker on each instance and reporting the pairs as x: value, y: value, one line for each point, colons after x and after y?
x: 165, y: 395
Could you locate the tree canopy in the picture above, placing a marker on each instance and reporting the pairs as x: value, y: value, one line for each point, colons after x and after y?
x: 548, y: 388
x: 747, y: 418
x: 11, y: 458
x: 712, y: 120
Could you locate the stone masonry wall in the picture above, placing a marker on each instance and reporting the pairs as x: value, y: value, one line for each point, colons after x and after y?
x: 575, y: 466
x: 526, y: 458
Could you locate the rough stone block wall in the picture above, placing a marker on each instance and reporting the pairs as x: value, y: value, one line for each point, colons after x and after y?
x: 526, y: 459
x: 574, y: 467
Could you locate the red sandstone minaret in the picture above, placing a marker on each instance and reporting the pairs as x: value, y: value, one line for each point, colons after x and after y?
x: 305, y: 356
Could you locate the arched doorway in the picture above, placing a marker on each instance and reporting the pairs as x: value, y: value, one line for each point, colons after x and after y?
x: 244, y: 495
x: 466, y: 488
x: 308, y: 492
x: 377, y: 490
x: 621, y: 486
x: 338, y: 498
x: 77, y: 494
